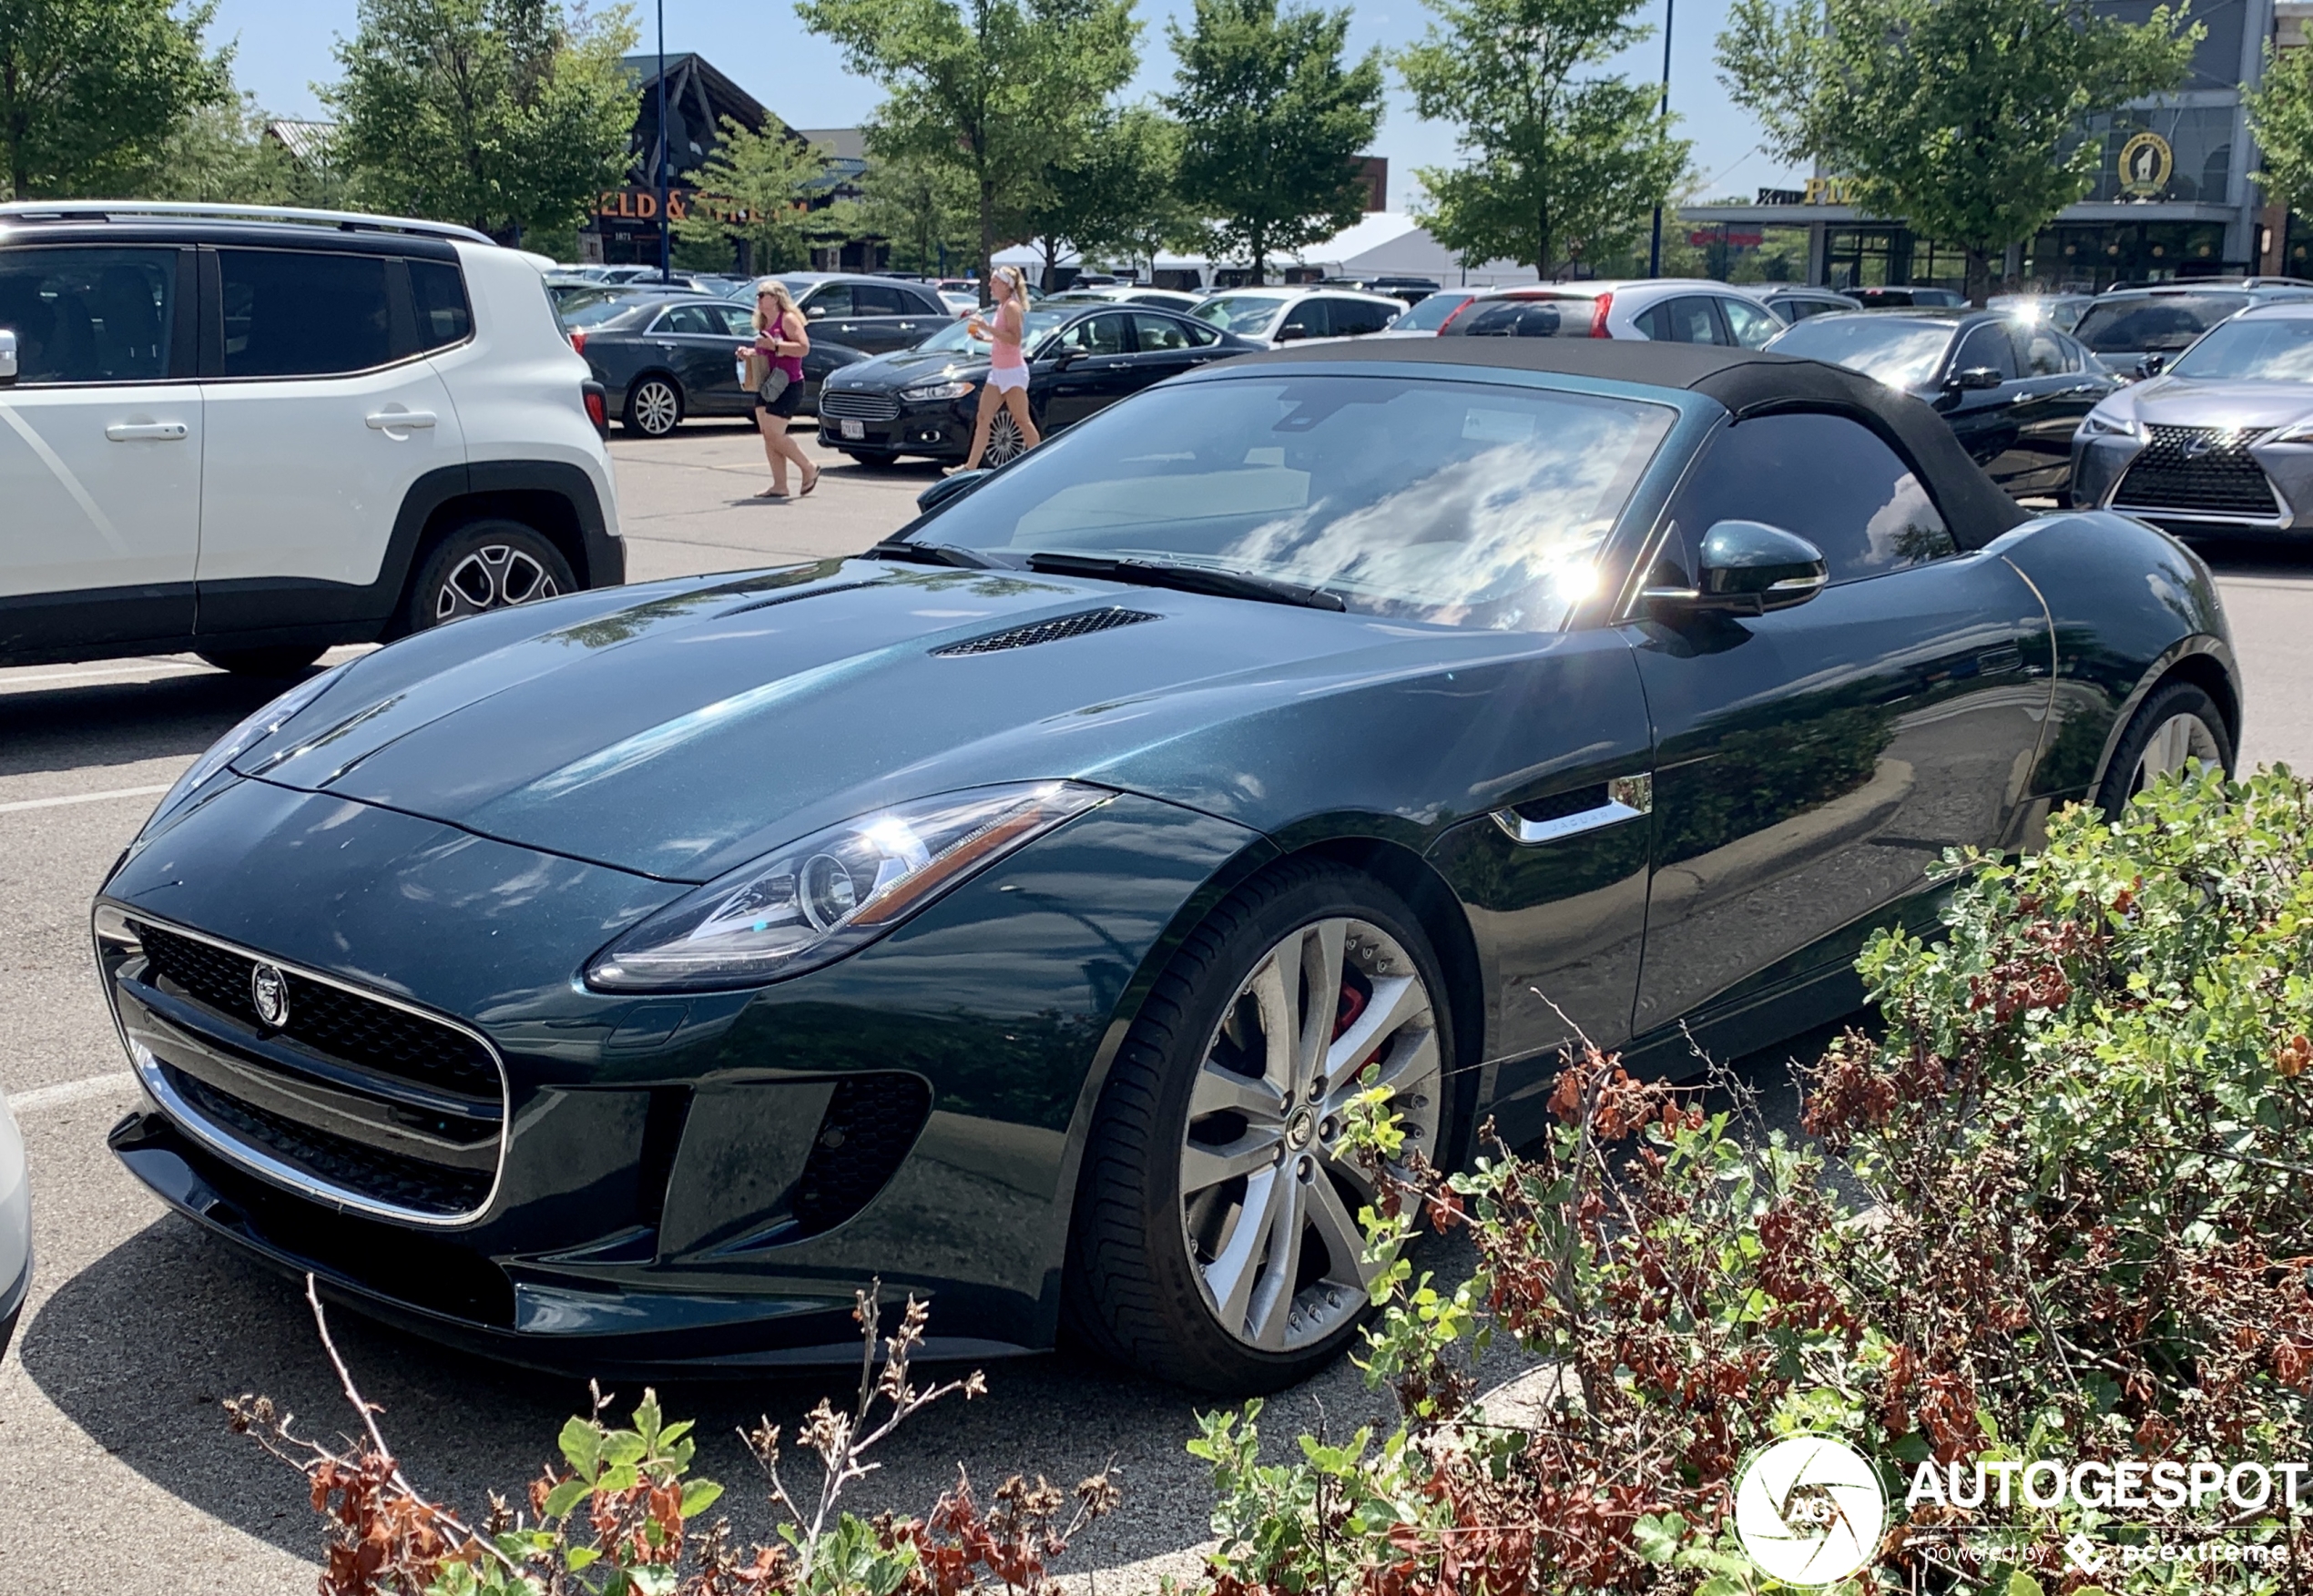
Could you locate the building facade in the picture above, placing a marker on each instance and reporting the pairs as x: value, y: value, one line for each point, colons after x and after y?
x: 2172, y: 196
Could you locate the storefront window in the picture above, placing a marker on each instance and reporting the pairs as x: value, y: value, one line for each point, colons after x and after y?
x: 2085, y: 258
x: 2172, y: 152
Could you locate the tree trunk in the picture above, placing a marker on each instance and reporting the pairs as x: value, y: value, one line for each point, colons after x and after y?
x: 1979, y: 276
x: 1052, y: 262
x: 987, y: 238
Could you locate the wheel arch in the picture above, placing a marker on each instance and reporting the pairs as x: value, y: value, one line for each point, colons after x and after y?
x: 557, y: 500
x: 2203, y: 662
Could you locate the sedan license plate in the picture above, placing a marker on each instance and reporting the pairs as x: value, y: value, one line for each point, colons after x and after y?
x: 850, y: 429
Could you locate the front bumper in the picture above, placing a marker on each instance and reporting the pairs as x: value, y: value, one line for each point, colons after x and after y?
x: 684, y: 1182
x: 939, y: 429
x: 12, y: 1299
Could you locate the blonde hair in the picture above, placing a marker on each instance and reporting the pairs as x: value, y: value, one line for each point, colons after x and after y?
x: 777, y: 290
x: 1016, y: 278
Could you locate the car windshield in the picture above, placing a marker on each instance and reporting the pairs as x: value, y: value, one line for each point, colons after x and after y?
x: 1249, y: 314
x: 2167, y: 323
x: 1036, y: 326
x: 1431, y: 313
x: 606, y: 307
x: 1898, y: 350
x: 2280, y: 350
x: 1457, y: 503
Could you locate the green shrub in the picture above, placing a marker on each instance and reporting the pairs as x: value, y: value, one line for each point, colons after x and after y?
x: 2084, y: 1234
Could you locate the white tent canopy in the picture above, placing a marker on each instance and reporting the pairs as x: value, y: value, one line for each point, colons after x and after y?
x: 1383, y: 243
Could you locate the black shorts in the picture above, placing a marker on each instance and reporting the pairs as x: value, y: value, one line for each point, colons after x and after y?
x: 791, y: 401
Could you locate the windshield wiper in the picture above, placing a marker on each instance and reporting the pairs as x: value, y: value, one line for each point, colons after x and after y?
x: 1187, y: 578
x: 928, y: 553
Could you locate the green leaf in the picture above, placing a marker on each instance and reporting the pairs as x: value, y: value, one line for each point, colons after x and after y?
x: 565, y: 1497
x: 2022, y: 1585
x: 579, y: 1558
x: 699, y: 1495
x: 581, y: 1443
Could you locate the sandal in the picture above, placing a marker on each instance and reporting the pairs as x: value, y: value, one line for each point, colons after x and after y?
x: 773, y: 493
x: 808, y: 484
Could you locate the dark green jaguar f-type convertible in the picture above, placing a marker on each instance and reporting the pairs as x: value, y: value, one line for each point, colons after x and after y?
x: 618, y: 982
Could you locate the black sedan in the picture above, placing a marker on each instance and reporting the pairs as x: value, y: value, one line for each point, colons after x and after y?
x: 661, y: 357
x: 1012, y: 912
x: 1082, y: 359
x: 2014, y: 390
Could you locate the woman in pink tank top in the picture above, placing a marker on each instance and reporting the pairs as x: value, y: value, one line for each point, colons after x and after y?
x: 1007, y: 384
x: 783, y: 338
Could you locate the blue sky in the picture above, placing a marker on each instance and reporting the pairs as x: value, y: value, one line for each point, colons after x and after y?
x: 285, y: 45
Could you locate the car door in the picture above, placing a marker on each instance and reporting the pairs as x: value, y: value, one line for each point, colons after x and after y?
x: 1090, y: 368
x: 1165, y: 345
x: 322, y: 414
x: 1812, y: 764
x: 2061, y: 385
x: 1302, y: 320
x: 694, y: 342
x: 1349, y: 317
x: 1985, y: 420
x: 100, y: 448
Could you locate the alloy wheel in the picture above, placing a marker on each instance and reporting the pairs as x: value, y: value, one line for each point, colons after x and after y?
x: 1268, y: 1194
x: 656, y: 409
x: 496, y: 576
x: 2180, y: 740
x: 1005, y: 439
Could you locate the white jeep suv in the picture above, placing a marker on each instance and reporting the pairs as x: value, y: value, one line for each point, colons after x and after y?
x: 254, y: 433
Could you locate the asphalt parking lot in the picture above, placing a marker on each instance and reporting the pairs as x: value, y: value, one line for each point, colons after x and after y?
x: 115, y: 1462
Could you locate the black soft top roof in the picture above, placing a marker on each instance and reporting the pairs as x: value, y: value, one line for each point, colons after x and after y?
x: 1748, y: 383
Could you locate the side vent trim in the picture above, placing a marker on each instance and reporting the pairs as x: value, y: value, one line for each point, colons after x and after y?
x: 1082, y: 624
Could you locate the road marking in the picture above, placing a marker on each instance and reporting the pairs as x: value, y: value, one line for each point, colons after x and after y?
x: 83, y: 797
x: 64, y: 1092
x: 100, y: 676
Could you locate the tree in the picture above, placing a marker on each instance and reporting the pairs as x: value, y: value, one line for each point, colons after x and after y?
x: 1963, y: 116
x: 91, y: 89
x: 1115, y: 191
x: 928, y: 212
x: 505, y: 115
x: 1563, y: 167
x: 991, y: 88
x: 2280, y: 119
x: 757, y: 188
x: 1273, y: 123
x: 219, y: 154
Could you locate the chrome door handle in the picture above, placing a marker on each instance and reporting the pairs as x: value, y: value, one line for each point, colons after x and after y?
x: 400, y: 420
x: 1628, y: 797
x: 136, y: 431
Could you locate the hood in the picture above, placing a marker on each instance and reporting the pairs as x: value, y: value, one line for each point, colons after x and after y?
x: 694, y: 729
x: 907, y: 367
x: 2179, y: 402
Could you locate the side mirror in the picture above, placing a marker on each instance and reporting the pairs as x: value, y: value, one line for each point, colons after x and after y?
x: 1749, y: 568
x: 7, y: 355
x: 813, y: 312
x: 2152, y: 365
x: 1975, y: 378
x: 1065, y: 357
x: 1291, y: 332
x: 948, y: 487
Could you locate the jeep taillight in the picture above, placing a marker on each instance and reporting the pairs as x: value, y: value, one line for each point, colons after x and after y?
x: 597, y: 411
x: 1598, y: 309
x: 578, y: 339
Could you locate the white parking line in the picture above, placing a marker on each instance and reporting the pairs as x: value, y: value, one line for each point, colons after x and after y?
x: 64, y: 1092
x: 83, y: 797
x: 7, y: 680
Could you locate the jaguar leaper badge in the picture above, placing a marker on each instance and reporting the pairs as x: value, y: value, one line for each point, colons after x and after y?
x: 269, y: 990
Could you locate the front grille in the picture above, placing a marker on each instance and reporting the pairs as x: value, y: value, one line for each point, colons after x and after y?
x: 871, y: 1122
x: 389, y: 1177
x: 1052, y: 631
x: 379, y: 1037
x: 859, y: 405
x: 2204, y: 470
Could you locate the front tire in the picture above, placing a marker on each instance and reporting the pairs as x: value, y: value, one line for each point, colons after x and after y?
x: 2179, y: 725
x: 486, y: 565
x: 1215, y: 1241
x: 286, y: 661
x: 654, y: 407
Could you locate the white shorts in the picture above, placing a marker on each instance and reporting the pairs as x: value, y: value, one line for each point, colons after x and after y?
x: 1001, y: 378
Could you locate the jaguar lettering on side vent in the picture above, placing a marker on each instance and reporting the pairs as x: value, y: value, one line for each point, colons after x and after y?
x: 1053, y: 631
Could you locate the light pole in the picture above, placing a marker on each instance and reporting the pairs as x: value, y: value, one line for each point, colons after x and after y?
x: 666, y: 251
x: 1655, y: 250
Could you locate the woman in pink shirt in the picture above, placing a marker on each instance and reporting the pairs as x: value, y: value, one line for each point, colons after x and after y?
x: 783, y: 338
x: 1007, y: 384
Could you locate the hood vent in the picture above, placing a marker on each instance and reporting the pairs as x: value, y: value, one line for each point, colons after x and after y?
x: 1076, y: 625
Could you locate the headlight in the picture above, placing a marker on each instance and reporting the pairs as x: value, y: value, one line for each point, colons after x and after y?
x: 938, y: 390
x: 2295, y: 433
x: 2104, y: 424
x: 833, y: 892
x: 240, y: 741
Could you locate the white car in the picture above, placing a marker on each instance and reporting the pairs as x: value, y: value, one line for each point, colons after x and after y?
x: 1288, y: 315
x: 1123, y: 293
x: 1667, y: 310
x: 1429, y: 314
x: 16, y: 1226
x: 255, y: 433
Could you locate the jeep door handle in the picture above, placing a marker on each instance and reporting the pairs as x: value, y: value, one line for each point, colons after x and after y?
x: 399, y: 421
x: 140, y: 431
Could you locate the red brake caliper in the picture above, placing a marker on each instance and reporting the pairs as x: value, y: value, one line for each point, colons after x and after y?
x: 1345, y: 1013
